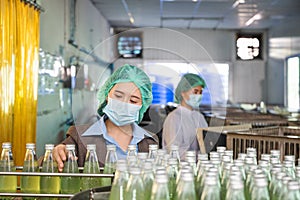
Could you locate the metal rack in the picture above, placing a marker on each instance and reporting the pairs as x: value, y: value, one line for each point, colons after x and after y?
x: 18, y: 191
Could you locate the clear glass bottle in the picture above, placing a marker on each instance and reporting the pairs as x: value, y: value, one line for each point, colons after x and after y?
x: 7, y: 183
x: 172, y: 171
x: 174, y: 152
x: 160, y: 157
x: 277, y: 187
x: 30, y: 184
x: 211, y: 189
x: 186, y: 189
x: 49, y: 184
x: 293, y: 192
x: 153, y: 151
x: 260, y: 189
x: 135, y: 189
x: 91, y: 166
x: 160, y: 190
x: 236, y: 191
x: 70, y: 184
x: 148, y: 178
x: 110, y: 164
x: 132, y: 150
x: 120, y: 181
x: 275, y: 153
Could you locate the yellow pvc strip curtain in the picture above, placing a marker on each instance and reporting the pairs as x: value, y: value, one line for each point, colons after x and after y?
x: 19, y: 45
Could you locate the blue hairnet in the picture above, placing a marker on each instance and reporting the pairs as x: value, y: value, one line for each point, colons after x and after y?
x: 127, y: 73
x: 187, y: 82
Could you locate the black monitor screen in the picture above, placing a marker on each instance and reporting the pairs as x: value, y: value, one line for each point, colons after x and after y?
x: 130, y: 46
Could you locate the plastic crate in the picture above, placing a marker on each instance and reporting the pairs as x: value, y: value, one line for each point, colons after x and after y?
x: 285, y: 139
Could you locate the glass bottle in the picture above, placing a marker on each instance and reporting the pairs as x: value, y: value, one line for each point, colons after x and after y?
x: 277, y: 187
x: 91, y: 166
x: 30, y: 184
x: 160, y: 157
x: 70, y: 184
x: 7, y: 183
x: 260, y: 189
x: 120, y: 181
x: 153, y: 151
x: 49, y: 184
x: 110, y: 164
x: 148, y: 177
x: 275, y: 154
x: 186, y: 189
x: 236, y: 191
x: 141, y: 158
x: 135, y: 189
x: 211, y: 189
x: 293, y: 191
x: 172, y: 171
x: 160, y: 190
x: 174, y: 152
x: 132, y: 150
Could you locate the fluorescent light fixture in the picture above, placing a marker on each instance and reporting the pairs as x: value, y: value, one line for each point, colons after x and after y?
x: 131, y: 19
x: 257, y: 16
x: 237, y: 2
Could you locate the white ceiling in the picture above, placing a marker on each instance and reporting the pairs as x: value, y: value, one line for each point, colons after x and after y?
x: 208, y: 14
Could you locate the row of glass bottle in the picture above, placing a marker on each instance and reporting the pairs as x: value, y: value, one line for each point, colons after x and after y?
x: 164, y: 176
x: 51, y: 184
x: 221, y: 176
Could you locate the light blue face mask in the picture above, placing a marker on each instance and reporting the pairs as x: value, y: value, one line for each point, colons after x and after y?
x: 121, y: 113
x: 194, y: 100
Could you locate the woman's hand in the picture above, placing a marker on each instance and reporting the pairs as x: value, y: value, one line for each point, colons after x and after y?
x: 60, y: 155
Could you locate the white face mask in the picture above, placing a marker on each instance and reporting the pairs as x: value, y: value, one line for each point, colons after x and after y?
x: 121, y: 113
x: 194, y: 100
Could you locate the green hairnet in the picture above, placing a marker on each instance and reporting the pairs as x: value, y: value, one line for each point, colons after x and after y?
x: 127, y: 73
x: 187, y: 82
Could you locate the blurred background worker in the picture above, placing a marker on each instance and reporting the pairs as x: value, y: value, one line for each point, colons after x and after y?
x: 181, y: 124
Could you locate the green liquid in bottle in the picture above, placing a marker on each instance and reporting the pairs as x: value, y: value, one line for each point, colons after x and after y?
x: 70, y: 185
x: 50, y: 185
x: 7, y: 183
x: 30, y: 184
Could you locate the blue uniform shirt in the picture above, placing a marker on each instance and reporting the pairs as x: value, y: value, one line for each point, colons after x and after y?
x: 99, y: 128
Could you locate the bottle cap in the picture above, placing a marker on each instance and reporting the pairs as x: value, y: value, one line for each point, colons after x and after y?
x: 30, y: 145
x: 111, y: 147
x: 49, y: 146
x: 161, y: 178
x: 91, y: 147
x: 131, y: 147
x: 6, y: 145
x: 70, y: 147
x: 174, y: 147
x: 142, y: 155
x: 221, y: 149
x: 153, y: 146
x: 293, y: 185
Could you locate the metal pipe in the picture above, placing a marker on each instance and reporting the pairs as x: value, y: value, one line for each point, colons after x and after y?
x: 37, y: 195
x: 56, y: 174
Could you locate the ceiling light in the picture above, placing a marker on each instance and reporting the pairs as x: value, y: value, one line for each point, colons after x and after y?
x: 257, y: 16
x: 237, y: 2
x: 131, y: 19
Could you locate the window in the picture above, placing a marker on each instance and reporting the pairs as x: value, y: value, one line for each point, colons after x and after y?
x: 292, y: 83
x: 248, y: 46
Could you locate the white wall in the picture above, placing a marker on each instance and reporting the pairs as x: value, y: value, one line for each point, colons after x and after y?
x: 54, y: 36
x: 247, y: 78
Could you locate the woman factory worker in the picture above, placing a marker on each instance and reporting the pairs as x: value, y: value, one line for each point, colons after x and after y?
x: 123, y: 100
x: 180, y: 125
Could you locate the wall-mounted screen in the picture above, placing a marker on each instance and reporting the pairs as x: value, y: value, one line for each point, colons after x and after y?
x: 130, y: 46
